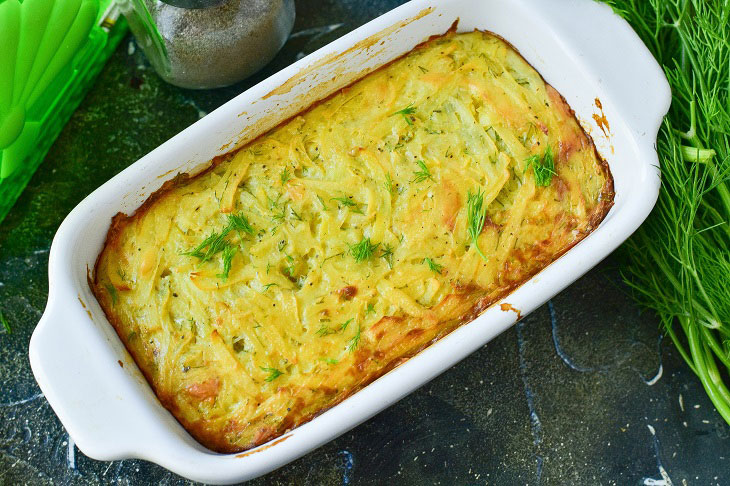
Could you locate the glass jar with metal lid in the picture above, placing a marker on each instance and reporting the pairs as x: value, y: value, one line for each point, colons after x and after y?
x: 209, y: 43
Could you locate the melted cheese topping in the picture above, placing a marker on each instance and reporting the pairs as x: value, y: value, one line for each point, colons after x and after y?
x: 348, y: 250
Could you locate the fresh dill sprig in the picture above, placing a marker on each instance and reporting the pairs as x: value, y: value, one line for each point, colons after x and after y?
x: 344, y: 325
x: 216, y: 242
x: 5, y: 323
x: 239, y: 223
x: 423, y: 173
x: 273, y: 373
x: 228, y: 253
x: 331, y: 361
x: 295, y: 214
x: 476, y: 216
x: 285, y: 176
x: 324, y: 330
x: 289, y: 269
x: 280, y: 216
x: 678, y: 262
x: 345, y: 201
x: 432, y: 265
x: 209, y: 246
x: 354, y: 341
x: 363, y: 250
x: 321, y: 201
x: 387, y: 253
x: 112, y: 292
x: 388, y: 183
x: 268, y: 286
x: 406, y: 112
x: 542, y: 167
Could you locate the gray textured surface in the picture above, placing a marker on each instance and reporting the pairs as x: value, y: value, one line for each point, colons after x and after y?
x: 583, y: 391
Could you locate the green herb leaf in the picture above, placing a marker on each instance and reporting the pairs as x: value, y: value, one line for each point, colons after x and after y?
x: 322, y: 202
x: 387, y: 253
x: 284, y: 176
x: 363, y: 250
x: 344, y: 325
x: 423, y: 173
x: 476, y: 216
x: 344, y: 201
x: 432, y: 265
x: 543, y: 168
x: 324, y: 330
x: 406, y: 112
x: 370, y: 309
x: 331, y: 361
x: 112, y: 292
x: 208, y: 247
x: 388, y: 183
x: 228, y: 252
x: 5, y: 323
x: 239, y: 223
x: 355, y: 341
x: 678, y: 262
x: 273, y: 373
x: 289, y: 269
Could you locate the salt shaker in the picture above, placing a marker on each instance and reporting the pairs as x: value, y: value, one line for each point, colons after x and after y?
x: 209, y: 43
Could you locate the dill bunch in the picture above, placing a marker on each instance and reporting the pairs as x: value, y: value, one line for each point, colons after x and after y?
x: 678, y: 262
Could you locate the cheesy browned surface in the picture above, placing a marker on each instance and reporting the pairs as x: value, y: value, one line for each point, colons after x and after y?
x: 272, y: 286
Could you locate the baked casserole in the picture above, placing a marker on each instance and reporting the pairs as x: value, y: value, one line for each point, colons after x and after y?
x: 296, y: 270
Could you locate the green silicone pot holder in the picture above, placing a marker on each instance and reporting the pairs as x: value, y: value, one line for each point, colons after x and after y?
x: 50, y: 53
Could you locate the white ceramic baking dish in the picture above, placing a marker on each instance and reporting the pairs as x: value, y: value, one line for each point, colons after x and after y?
x: 579, y: 46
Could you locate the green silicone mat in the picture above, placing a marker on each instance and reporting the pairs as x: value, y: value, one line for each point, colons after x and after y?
x: 50, y: 54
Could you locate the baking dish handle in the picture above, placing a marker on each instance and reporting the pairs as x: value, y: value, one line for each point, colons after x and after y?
x: 638, y: 88
x: 95, y: 394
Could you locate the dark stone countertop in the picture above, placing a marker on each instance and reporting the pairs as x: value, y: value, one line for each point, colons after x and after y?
x: 582, y: 391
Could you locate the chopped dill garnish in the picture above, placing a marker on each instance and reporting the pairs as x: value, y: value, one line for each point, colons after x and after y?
x: 363, y: 250
x: 284, y: 176
x: 295, y: 214
x: 214, y: 244
x: 324, y: 330
x: 344, y: 325
x: 345, y: 201
x: 388, y: 183
x: 112, y: 292
x: 370, y: 309
x: 387, y: 253
x: 239, y: 223
x: 5, y: 323
x: 432, y: 265
x: 279, y: 216
x: 423, y: 174
x: 321, y: 201
x: 355, y: 341
x: 331, y: 361
x: 543, y: 169
x: 476, y: 215
x: 268, y: 286
x: 423, y: 69
x: 289, y: 269
x: 273, y: 203
x: 273, y: 373
x: 228, y: 252
x: 330, y: 257
x: 406, y: 112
